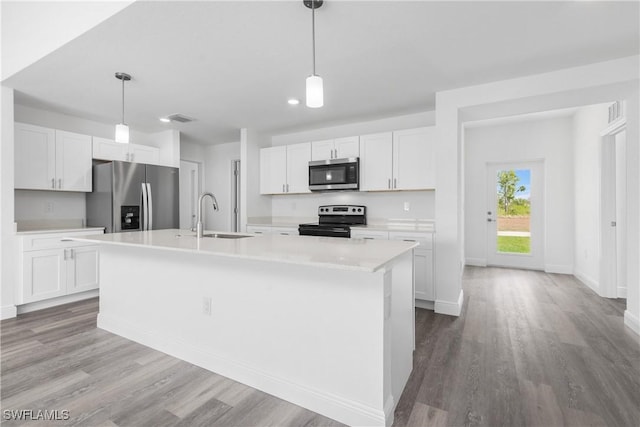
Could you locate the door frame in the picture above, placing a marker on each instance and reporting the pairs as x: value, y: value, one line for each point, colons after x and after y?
x: 607, y: 233
x: 199, y: 180
x: 535, y: 259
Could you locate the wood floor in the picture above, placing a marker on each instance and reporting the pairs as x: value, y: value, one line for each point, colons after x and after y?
x: 529, y: 349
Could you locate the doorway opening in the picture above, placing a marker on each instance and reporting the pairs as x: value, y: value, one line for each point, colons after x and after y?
x: 189, y: 190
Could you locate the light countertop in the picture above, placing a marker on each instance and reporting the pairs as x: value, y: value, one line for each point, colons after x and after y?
x: 423, y: 226
x: 58, y: 229
x: 330, y: 252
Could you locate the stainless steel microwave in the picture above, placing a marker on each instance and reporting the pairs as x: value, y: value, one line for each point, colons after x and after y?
x: 334, y: 174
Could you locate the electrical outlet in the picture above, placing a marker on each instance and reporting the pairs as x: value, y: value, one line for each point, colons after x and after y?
x: 206, y: 306
x: 407, y: 206
x: 48, y: 207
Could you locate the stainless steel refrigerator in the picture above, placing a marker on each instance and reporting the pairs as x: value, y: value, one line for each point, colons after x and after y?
x: 133, y: 197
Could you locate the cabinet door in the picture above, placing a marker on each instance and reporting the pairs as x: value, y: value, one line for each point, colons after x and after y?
x: 298, y: 157
x: 144, y: 154
x: 73, y: 161
x: 423, y: 274
x: 322, y: 150
x: 258, y: 229
x: 107, y: 149
x: 375, y: 161
x: 35, y: 157
x: 82, y: 269
x: 414, y: 159
x: 44, y: 274
x: 347, y: 147
x: 273, y: 170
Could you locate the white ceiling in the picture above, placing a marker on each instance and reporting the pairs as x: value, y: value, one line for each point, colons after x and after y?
x: 234, y: 64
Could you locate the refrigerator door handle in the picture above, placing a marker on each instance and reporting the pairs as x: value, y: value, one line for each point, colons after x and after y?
x: 150, y: 211
x: 145, y: 215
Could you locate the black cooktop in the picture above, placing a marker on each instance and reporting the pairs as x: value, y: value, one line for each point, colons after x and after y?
x: 335, y: 221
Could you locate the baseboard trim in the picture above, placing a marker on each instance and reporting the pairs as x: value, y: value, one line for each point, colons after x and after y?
x: 428, y: 305
x: 475, y: 262
x: 558, y: 268
x: 448, y: 307
x: 8, y: 312
x: 48, y: 303
x: 632, y: 322
x: 344, y: 410
x: 622, y: 292
x: 588, y: 281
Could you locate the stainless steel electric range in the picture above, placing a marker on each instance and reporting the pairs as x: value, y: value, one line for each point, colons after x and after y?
x: 335, y: 221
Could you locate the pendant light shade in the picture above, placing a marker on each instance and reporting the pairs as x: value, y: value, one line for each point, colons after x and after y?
x: 315, y: 92
x: 122, y: 130
x: 315, y: 89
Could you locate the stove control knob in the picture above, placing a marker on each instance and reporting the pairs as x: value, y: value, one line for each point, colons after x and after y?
x: 359, y: 209
x: 353, y: 210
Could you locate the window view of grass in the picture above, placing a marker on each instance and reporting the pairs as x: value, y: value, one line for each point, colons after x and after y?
x: 514, y: 211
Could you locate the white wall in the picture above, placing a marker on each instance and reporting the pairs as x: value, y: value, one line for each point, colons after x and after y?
x: 30, y: 32
x: 31, y: 205
x: 252, y: 203
x: 621, y: 211
x: 218, y: 181
x: 549, y: 140
x: 588, y: 123
x: 8, y: 248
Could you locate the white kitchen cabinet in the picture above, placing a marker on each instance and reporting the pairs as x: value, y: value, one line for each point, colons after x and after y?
x: 376, y: 165
x: 285, y: 169
x: 368, y: 234
x: 259, y: 229
x: 335, y: 148
x: 73, y: 161
x: 422, y: 262
x: 48, y: 159
x: 107, y: 149
x: 53, y: 268
x: 414, y: 159
x: 399, y: 160
x: 35, y: 157
x: 284, y: 231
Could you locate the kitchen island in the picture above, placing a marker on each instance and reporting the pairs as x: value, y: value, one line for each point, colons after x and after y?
x: 325, y: 323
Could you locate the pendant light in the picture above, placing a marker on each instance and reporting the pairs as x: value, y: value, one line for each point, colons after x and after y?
x: 122, y: 130
x: 315, y: 91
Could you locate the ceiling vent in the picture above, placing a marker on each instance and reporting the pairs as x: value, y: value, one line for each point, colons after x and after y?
x: 180, y: 118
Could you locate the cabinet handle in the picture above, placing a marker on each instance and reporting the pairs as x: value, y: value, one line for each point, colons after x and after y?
x: 395, y: 183
x: 368, y: 238
x: 283, y: 188
x: 65, y: 255
x: 389, y: 183
x: 71, y: 254
x: 408, y: 240
x: 287, y: 188
x: 59, y: 182
x: 53, y: 183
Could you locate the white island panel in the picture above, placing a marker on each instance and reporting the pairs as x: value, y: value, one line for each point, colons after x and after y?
x: 337, y: 341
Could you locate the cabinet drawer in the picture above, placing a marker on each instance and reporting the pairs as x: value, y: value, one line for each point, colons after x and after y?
x: 258, y: 229
x: 285, y: 231
x: 369, y: 234
x: 424, y: 239
x: 53, y: 240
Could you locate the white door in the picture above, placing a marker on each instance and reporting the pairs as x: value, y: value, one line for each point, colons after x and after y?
x: 347, y: 147
x: 189, y: 192
x: 414, y: 159
x: 273, y: 170
x: 35, y: 157
x: 82, y: 269
x: 376, y: 152
x: 515, y: 226
x: 322, y: 150
x: 298, y: 157
x: 73, y: 161
x: 44, y: 274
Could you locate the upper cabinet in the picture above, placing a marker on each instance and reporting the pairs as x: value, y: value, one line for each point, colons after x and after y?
x: 285, y: 169
x: 48, y: 159
x: 107, y: 149
x: 400, y: 160
x: 335, y: 148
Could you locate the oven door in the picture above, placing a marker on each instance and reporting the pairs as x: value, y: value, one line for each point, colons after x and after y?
x: 335, y: 174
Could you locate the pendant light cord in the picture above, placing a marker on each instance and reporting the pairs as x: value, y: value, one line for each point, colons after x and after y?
x: 313, y: 34
x: 122, y: 100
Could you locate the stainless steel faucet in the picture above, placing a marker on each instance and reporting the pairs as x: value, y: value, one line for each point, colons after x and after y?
x: 199, y: 226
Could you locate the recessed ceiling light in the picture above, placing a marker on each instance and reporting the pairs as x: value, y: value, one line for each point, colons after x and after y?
x: 164, y: 120
x: 293, y: 101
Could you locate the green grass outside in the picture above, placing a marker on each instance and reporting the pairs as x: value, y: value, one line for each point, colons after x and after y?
x: 514, y: 244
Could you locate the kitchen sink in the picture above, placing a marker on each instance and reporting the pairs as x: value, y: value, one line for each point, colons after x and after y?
x: 217, y: 236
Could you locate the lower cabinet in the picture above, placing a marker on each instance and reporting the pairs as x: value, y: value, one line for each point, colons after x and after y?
x: 53, y: 268
x: 268, y: 229
x: 422, y: 257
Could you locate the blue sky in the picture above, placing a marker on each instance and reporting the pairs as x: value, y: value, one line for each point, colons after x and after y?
x: 525, y: 179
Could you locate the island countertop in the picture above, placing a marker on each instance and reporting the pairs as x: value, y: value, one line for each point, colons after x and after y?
x: 330, y: 252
